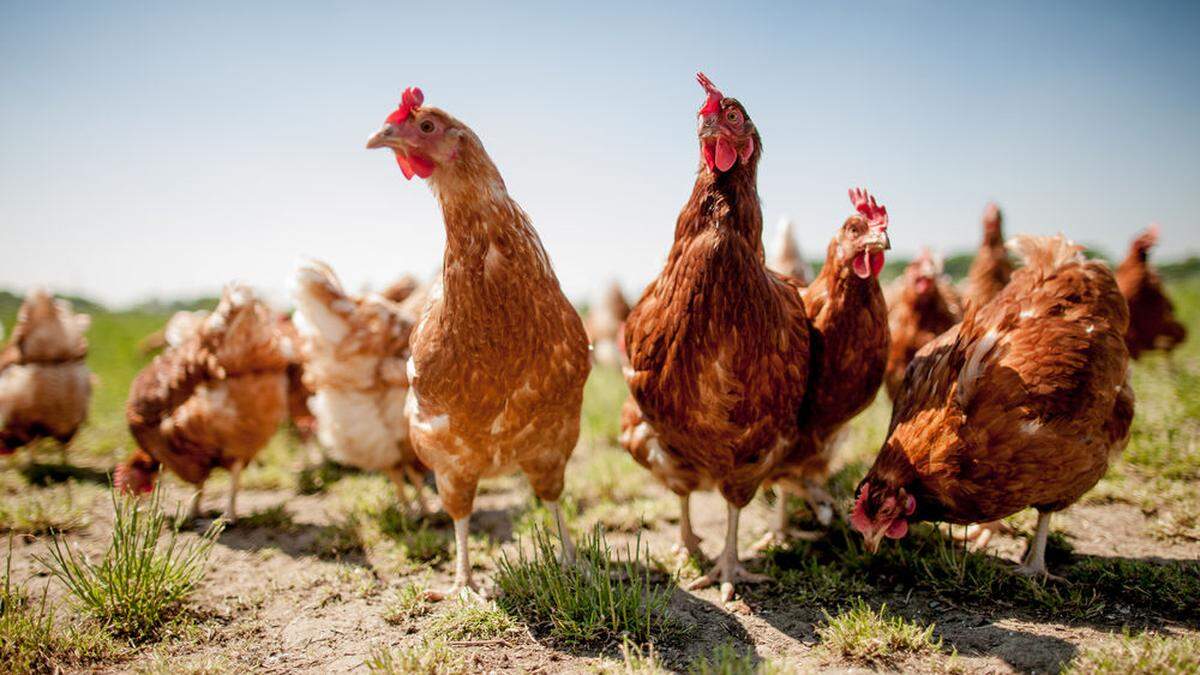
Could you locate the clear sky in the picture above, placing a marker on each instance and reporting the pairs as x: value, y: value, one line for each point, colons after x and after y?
x: 156, y: 149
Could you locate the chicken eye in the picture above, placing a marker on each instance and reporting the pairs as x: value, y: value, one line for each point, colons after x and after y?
x: 427, y: 127
x: 734, y: 117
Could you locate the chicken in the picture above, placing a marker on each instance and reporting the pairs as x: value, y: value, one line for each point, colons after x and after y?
x: 45, y: 384
x: 604, y: 323
x: 301, y: 418
x: 400, y: 289
x: 1022, y: 404
x: 213, y: 401
x: 849, y: 352
x: 1152, y: 323
x: 921, y: 305
x: 991, y: 269
x: 718, y: 345
x: 177, y: 328
x: 499, y: 356
x: 354, y: 352
x: 787, y: 259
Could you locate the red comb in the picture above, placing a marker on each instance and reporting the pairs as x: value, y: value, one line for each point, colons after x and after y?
x: 713, y: 103
x: 875, y: 214
x: 410, y: 100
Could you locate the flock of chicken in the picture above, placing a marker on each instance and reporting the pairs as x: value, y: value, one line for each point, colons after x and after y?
x: 1015, y: 394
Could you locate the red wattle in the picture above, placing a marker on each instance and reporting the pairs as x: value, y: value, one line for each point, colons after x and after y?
x: 706, y: 149
x: 422, y: 166
x: 897, y: 529
x: 876, y: 262
x: 405, y: 166
x: 862, y: 265
x: 726, y: 155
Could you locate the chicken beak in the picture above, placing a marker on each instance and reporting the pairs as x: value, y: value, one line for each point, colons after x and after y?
x: 382, y: 137
x: 872, y: 540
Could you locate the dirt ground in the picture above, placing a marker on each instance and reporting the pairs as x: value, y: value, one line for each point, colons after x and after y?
x: 277, y: 600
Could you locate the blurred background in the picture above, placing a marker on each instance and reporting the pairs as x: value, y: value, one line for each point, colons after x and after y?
x: 151, y: 153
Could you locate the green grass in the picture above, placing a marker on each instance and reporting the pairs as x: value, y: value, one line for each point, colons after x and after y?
x: 471, y: 620
x: 600, y: 599
x: 876, y: 637
x: 59, y: 508
x: 1143, y: 654
x: 30, y: 640
x: 431, y: 657
x: 143, y: 577
x: 372, y: 521
x: 405, y: 604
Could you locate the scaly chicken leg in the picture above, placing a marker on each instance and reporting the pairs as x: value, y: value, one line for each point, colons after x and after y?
x: 1035, y: 558
x: 235, y: 478
x: 728, y: 569
x: 688, y: 541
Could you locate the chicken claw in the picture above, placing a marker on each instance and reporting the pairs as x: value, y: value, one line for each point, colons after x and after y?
x: 1034, y: 563
x: 979, y: 534
x: 728, y: 569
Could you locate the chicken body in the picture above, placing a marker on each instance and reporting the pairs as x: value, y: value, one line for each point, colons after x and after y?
x: 499, y: 356
x: 786, y: 258
x: 45, y: 384
x: 213, y: 401
x: 991, y: 269
x: 604, y: 323
x: 922, y: 304
x: 849, y: 352
x: 354, y: 352
x: 1022, y: 404
x: 718, y: 346
x: 1152, y: 322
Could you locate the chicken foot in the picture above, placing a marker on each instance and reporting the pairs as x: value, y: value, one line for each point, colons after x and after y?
x: 1034, y: 563
x: 728, y: 569
x: 778, y: 533
x: 979, y: 534
x: 194, y: 509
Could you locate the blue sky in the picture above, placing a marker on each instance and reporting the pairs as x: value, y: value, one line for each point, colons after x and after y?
x: 154, y: 149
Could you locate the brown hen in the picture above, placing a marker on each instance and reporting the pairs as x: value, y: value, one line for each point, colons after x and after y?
x: 922, y: 305
x: 604, y: 322
x: 718, y: 345
x: 213, y: 401
x: 499, y: 356
x: 354, y: 352
x: 992, y: 268
x: 1152, y: 322
x: 45, y: 384
x: 849, y: 352
x: 1022, y: 404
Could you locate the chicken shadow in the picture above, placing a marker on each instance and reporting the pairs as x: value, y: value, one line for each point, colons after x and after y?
x: 296, y: 540
x: 45, y: 474
x: 929, y: 579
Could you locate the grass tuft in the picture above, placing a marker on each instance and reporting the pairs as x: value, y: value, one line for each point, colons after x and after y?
x: 470, y: 620
x: 404, y: 605
x: 597, y: 600
x: 865, y: 635
x: 143, y: 577
x: 29, y: 640
x: 1143, y: 654
x: 431, y: 657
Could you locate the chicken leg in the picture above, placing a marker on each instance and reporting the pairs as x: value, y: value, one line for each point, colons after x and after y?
x: 568, y: 547
x: 194, y: 509
x: 728, y: 569
x: 463, y: 583
x: 688, y: 541
x: 1034, y: 563
x: 235, y: 477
